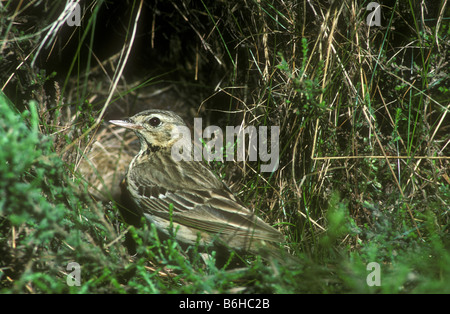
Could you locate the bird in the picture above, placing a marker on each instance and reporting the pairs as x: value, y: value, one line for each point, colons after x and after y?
x: 185, y: 195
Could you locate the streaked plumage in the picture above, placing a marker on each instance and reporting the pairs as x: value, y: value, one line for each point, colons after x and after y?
x: 187, y: 192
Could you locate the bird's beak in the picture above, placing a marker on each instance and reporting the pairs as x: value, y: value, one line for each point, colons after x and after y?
x: 126, y: 124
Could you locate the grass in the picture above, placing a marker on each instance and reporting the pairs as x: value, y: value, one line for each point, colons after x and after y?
x: 364, y: 147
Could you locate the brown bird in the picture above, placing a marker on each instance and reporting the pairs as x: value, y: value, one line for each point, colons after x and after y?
x: 186, y: 194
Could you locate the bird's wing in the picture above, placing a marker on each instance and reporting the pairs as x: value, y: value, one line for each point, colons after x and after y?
x: 195, y: 198
x: 209, y: 212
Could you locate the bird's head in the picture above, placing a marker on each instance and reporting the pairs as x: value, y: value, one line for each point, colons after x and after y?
x: 155, y: 128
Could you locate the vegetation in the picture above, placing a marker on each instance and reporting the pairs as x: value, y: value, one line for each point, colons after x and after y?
x: 364, y: 147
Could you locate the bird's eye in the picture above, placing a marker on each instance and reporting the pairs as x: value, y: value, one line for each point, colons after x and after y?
x: 154, y: 121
